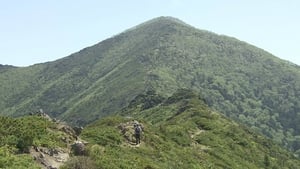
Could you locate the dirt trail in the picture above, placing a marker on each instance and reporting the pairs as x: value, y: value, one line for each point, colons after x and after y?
x: 50, y: 158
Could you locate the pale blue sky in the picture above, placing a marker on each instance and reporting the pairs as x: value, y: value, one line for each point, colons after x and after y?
x: 35, y: 31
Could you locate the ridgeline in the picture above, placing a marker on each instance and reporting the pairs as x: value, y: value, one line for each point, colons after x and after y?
x: 179, y: 131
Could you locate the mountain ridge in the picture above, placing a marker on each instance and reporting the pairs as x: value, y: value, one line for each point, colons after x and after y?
x: 179, y: 131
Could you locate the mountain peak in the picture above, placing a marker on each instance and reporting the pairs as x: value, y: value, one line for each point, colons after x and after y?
x: 159, y: 21
x: 167, y: 19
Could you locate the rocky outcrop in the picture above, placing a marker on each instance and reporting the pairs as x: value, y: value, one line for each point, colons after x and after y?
x: 53, y: 158
x: 50, y: 158
x: 78, y: 148
x: 68, y: 130
x: 77, y: 130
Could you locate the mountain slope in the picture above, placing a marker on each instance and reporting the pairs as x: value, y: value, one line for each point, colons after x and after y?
x: 162, y: 55
x: 179, y: 132
x: 4, y: 68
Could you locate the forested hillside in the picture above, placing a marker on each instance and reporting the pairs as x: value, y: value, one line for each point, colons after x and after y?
x: 244, y: 82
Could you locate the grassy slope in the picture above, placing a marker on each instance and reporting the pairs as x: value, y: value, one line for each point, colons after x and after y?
x: 182, y: 132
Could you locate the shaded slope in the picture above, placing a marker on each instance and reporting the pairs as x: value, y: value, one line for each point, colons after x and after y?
x: 164, y: 54
x: 181, y: 132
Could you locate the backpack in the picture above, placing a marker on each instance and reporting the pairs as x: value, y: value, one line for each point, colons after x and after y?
x: 137, y: 130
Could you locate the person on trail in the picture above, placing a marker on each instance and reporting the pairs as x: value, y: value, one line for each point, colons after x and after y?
x: 137, y: 133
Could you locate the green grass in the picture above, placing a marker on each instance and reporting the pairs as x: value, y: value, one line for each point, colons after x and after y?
x: 10, y: 160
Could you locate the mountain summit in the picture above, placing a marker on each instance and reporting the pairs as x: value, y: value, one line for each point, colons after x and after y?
x: 162, y: 55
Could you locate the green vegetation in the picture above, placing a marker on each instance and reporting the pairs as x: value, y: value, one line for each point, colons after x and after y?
x: 27, y: 131
x: 18, y: 135
x: 245, y: 83
x: 179, y: 131
x: 10, y: 160
x: 188, y: 135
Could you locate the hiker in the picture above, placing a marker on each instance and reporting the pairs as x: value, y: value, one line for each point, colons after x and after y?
x: 137, y: 133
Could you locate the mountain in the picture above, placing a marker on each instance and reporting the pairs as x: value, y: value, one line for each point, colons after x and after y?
x: 178, y: 132
x: 162, y: 55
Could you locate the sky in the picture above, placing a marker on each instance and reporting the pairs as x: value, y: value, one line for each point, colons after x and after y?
x: 35, y: 31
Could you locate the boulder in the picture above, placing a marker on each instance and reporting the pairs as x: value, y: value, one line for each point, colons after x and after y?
x: 78, y: 148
